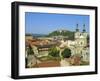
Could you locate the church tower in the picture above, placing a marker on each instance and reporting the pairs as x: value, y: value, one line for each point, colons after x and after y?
x: 80, y: 40
x: 81, y: 37
x: 85, y: 35
x: 84, y: 28
x: 77, y: 32
x: 84, y: 31
x: 77, y: 29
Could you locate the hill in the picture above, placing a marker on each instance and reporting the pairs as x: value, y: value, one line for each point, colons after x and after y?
x: 67, y: 33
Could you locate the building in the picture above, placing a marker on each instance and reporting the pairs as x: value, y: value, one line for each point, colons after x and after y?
x: 79, y: 46
x: 81, y: 43
x: 28, y: 37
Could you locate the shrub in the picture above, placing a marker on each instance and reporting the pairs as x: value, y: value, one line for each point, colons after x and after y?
x: 66, y: 53
x: 54, y: 51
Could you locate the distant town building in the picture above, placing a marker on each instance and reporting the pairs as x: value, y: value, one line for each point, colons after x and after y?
x: 28, y: 37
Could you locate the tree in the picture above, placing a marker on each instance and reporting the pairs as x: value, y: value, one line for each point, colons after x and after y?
x: 66, y: 53
x: 67, y: 33
x: 54, y: 51
x: 30, y: 51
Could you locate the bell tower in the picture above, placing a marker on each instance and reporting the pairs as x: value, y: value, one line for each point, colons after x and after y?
x: 84, y: 31
x: 85, y: 35
x: 77, y: 32
x: 84, y: 28
x: 77, y: 29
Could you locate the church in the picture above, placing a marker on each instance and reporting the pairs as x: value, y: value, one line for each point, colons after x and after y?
x: 81, y: 43
x: 79, y: 46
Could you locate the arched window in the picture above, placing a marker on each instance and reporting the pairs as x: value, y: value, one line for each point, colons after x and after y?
x: 81, y: 43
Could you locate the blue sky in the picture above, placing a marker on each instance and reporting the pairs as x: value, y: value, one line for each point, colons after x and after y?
x: 44, y: 23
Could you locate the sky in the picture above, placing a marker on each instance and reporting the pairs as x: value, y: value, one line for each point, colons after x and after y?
x: 44, y: 23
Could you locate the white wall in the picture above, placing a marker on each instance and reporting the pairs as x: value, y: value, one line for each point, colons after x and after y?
x: 5, y: 40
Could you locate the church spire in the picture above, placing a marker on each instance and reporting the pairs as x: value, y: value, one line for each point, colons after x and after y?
x: 77, y: 29
x: 84, y: 28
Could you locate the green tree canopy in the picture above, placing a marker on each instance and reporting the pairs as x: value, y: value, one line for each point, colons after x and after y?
x: 66, y: 53
x: 66, y: 33
x: 54, y: 51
